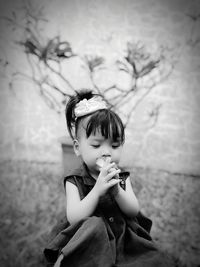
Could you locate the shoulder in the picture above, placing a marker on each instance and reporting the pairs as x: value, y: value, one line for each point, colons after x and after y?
x: 74, y: 176
x: 74, y: 179
x: 79, y: 181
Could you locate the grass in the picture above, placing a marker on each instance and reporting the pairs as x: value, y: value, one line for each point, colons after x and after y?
x: 31, y: 200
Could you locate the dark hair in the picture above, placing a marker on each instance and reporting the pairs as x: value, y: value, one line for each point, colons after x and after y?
x: 106, y: 121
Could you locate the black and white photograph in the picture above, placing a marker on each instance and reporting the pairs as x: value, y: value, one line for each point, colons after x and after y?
x: 100, y: 133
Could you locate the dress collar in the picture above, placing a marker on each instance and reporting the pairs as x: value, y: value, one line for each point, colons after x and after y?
x: 87, y: 178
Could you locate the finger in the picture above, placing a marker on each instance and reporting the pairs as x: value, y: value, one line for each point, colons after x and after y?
x: 104, y: 170
x: 113, y: 182
x: 109, y: 166
x: 110, y: 175
x: 113, y: 169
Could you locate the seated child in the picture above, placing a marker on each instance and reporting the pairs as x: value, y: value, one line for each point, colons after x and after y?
x: 104, y: 226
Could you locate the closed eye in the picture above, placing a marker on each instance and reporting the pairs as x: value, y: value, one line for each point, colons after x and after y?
x: 115, y: 145
x: 95, y: 146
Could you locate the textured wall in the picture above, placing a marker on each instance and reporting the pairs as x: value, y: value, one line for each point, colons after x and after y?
x: 171, y: 140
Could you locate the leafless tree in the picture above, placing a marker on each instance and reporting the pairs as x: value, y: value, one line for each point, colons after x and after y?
x: 45, y: 59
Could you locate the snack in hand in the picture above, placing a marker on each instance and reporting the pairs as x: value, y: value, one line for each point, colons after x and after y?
x: 103, y: 161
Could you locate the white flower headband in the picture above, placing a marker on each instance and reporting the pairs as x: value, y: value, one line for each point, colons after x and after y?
x: 88, y: 106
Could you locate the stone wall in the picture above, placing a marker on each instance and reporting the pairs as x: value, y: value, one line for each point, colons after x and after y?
x: 164, y: 132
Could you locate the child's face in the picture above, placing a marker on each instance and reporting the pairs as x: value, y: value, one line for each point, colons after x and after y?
x: 94, y: 147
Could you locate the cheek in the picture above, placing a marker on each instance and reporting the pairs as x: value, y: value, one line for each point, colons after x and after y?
x: 117, y: 153
x: 88, y: 153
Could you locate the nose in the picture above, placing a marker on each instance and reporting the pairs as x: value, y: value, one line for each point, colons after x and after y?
x: 106, y: 151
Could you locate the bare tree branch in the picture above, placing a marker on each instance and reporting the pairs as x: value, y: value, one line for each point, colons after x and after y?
x: 46, y: 57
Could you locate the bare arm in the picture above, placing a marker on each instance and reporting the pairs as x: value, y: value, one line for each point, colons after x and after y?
x: 78, y: 209
x: 127, y: 200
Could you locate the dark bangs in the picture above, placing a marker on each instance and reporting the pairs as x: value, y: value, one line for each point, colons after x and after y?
x: 107, y: 123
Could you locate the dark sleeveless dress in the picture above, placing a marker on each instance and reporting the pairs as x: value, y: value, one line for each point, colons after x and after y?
x: 107, y: 238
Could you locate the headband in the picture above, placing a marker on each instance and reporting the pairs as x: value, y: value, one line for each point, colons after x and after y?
x: 88, y: 106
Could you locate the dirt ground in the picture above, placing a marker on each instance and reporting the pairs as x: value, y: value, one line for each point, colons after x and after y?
x: 32, y: 199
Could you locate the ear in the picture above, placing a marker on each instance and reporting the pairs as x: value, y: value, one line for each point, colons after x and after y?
x: 76, y: 147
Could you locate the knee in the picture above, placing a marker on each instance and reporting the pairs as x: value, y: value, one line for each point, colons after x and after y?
x: 97, y: 220
x: 96, y: 223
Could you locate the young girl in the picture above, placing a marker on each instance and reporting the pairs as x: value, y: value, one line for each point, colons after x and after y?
x: 104, y: 226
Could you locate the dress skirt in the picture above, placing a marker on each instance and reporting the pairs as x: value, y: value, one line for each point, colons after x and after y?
x: 92, y: 243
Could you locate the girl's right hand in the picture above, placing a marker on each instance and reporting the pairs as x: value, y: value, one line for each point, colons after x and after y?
x: 104, y: 180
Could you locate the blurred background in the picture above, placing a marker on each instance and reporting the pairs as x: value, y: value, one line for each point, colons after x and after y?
x: 143, y: 56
